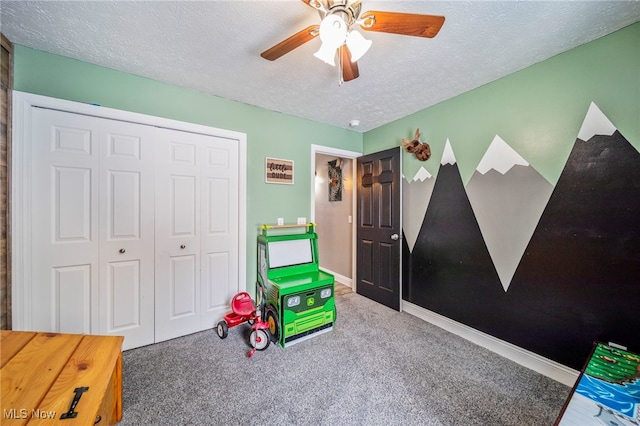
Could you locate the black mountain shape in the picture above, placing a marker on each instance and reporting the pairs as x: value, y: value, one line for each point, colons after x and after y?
x: 579, y: 279
x: 451, y: 270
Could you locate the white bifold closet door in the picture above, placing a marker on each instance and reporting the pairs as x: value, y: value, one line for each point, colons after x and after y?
x: 134, y: 228
x: 92, y: 202
x: 196, y: 254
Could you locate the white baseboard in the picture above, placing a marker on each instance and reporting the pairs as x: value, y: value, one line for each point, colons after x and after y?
x: 535, y: 362
x: 340, y: 278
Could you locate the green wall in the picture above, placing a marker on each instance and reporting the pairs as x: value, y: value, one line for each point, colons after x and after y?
x: 268, y: 133
x: 538, y: 111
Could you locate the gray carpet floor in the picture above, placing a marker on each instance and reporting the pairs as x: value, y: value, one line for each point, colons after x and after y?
x: 377, y: 367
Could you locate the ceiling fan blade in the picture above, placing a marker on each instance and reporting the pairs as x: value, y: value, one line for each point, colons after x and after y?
x: 349, y: 69
x: 296, y: 40
x: 402, y: 23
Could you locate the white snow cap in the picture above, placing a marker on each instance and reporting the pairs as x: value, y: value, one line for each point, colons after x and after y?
x: 595, y: 123
x: 500, y: 157
x: 447, y: 155
x: 422, y: 175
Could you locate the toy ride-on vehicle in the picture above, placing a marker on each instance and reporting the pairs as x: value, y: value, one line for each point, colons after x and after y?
x: 298, y: 297
x: 243, y: 310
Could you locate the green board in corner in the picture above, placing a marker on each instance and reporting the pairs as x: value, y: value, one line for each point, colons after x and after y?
x: 607, y: 391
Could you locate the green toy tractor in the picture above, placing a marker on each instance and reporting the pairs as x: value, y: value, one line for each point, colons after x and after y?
x: 298, y: 297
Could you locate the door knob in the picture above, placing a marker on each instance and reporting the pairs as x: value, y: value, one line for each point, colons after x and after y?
x: 122, y: 250
x: 182, y: 246
x: 394, y: 237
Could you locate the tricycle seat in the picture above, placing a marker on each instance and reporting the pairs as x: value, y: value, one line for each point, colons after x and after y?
x: 242, y: 304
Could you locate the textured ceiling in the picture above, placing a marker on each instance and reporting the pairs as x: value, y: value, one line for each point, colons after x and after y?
x: 214, y: 47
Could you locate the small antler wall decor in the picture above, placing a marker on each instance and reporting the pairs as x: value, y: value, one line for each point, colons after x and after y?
x: 422, y: 150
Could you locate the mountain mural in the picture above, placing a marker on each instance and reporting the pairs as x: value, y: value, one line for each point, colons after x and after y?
x: 585, y: 250
x: 549, y: 269
x: 595, y: 123
x: 416, y: 196
x: 451, y: 270
x: 508, y: 197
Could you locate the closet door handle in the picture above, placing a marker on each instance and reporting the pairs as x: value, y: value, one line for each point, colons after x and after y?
x: 182, y: 246
x: 121, y: 250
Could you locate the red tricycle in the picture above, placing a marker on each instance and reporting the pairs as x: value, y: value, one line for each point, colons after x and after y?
x: 244, y: 310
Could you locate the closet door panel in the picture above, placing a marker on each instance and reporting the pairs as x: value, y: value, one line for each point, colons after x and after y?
x: 123, y: 217
x: 220, y: 227
x: 123, y: 304
x: 177, y: 249
x: 72, y: 311
x: 71, y: 204
x: 218, y: 286
x: 183, y: 286
x: 127, y: 232
x: 64, y: 232
x: 183, y: 204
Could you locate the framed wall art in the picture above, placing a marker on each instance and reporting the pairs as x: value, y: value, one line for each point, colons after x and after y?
x: 335, y: 180
x: 278, y: 171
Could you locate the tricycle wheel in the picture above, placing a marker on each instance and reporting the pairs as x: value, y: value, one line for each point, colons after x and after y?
x: 260, y: 339
x: 222, y: 329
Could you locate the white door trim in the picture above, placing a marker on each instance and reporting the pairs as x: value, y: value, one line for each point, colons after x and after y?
x: 352, y: 155
x: 21, y: 185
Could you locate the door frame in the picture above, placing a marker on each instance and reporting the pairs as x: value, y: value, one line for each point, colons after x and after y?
x: 22, y: 293
x: 351, y: 156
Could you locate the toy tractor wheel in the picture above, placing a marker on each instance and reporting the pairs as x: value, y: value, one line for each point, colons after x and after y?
x: 260, y: 339
x: 272, y: 319
x: 222, y: 329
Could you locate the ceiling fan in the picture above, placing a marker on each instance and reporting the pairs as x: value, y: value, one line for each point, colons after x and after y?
x: 337, y: 35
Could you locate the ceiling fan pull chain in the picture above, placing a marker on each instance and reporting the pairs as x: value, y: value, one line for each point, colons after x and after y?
x: 340, y: 65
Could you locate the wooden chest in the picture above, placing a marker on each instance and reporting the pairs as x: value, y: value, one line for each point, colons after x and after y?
x: 43, y: 373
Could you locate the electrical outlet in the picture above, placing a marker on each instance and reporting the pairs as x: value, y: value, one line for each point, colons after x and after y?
x: 280, y: 221
x: 302, y: 220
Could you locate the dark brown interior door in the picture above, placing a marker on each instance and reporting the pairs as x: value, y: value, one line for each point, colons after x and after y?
x: 378, y: 234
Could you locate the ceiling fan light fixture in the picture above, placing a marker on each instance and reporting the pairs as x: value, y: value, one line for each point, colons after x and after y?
x: 333, y: 32
x: 327, y: 54
x: 357, y: 44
